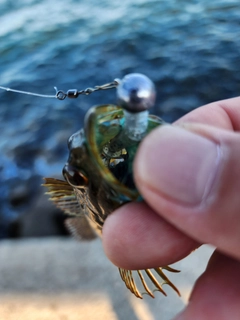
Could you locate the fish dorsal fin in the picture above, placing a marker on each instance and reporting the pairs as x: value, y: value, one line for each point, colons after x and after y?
x: 63, y: 196
x: 146, y: 279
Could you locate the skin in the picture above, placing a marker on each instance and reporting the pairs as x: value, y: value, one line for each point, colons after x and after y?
x: 189, y: 176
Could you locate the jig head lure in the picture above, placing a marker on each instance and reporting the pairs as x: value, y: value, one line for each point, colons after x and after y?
x: 99, y: 175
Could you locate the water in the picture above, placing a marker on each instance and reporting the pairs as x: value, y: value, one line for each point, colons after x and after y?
x: 190, y: 49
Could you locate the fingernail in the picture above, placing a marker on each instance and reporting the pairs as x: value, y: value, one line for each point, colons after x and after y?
x: 178, y: 164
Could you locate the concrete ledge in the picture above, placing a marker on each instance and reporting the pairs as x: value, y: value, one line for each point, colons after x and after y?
x: 62, y: 279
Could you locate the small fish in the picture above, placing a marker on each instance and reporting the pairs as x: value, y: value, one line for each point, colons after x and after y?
x: 98, y: 174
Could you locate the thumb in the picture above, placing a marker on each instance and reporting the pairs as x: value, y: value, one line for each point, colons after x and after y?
x: 191, y: 176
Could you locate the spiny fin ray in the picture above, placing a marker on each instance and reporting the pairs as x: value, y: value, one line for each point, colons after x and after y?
x: 156, y: 281
x: 80, y: 228
x: 63, y: 196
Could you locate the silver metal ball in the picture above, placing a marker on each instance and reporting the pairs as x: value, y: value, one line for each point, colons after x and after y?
x: 136, y: 93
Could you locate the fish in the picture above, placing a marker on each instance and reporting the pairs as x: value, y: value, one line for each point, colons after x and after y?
x: 99, y: 177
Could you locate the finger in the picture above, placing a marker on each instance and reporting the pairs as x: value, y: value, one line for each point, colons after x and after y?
x: 219, y: 114
x: 216, y: 294
x: 122, y: 252
x: 223, y: 114
x: 192, y: 179
x: 135, y: 237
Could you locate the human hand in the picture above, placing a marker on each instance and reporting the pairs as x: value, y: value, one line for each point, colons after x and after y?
x: 189, y: 176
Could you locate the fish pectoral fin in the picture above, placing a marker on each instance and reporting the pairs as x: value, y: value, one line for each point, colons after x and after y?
x: 148, y: 280
x: 63, y: 196
x: 80, y: 228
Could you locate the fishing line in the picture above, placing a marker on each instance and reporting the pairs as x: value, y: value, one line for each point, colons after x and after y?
x: 29, y: 93
x: 72, y: 93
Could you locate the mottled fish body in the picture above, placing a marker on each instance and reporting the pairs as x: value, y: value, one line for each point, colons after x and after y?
x: 99, y: 176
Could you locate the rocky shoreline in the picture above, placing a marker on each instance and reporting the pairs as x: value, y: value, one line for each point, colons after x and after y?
x: 189, y: 49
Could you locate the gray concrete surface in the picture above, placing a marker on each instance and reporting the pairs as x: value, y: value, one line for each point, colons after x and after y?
x: 62, y: 279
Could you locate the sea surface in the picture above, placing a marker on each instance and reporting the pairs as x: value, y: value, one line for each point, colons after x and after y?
x: 190, y: 49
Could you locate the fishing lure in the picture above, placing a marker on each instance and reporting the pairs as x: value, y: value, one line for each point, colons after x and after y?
x: 99, y: 174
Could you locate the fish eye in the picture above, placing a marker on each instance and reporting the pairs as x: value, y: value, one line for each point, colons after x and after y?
x: 74, y: 176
